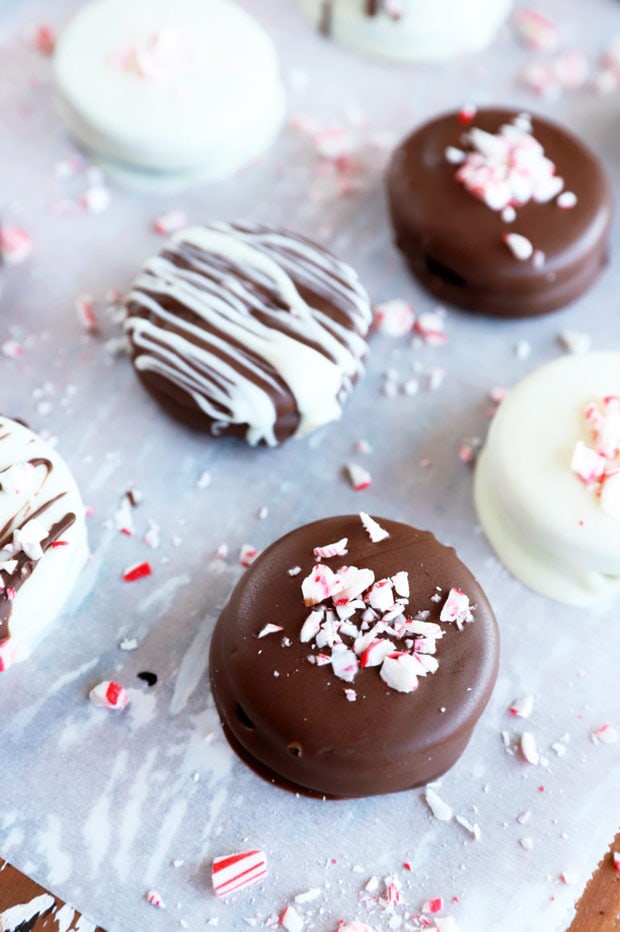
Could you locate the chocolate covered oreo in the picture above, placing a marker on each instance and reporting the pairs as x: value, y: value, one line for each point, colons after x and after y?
x: 354, y: 657
x: 500, y: 212
x: 248, y: 330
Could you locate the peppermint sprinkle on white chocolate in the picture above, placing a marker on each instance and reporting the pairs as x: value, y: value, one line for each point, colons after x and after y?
x: 597, y: 463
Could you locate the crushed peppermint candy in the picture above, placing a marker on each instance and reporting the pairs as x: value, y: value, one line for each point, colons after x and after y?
x: 109, y: 695
x: 269, y: 629
x: 373, y: 528
x: 536, y: 31
x: 155, y: 899
x: 604, y: 734
x: 45, y: 39
x: 234, y: 871
x: 248, y: 554
x: 137, y: 571
x: 520, y: 246
x: 359, y: 477
x: 394, y: 318
x: 430, y: 327
x: 357, y: 622
x: 337, y: 549
x: 440, y: 809
x: 170, y: 221
x: 15, y: 245
x: 528, y: 748
x: 522, y: 707
x: 457, y: 608
x: 291, y: 920
x: 508, y: 168
x: 597, y: 463
x: 575, y: 341
x: 432, y: 906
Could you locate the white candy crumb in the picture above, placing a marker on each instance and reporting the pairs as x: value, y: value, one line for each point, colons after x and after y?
x: 574, y: 341
x: 373, y: 528
x: 359, y: 477
x: 312, y: 894
x: 291, y: 920
x: 522, y: 349
x: 529, y: 749
x: 472, y: 827
x: 128, y: 644
x: 522, y: 707
x: 440, y: 809
x: 604, y: 734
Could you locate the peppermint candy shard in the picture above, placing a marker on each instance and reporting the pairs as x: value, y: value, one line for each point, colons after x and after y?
x: 321, y: 584
x: 399, y: 672
x: 359, y: 477
x: 291, y: 920
x: 337, y: 549
x: 155, y: 899
x: 137, y: 571
x: 373, y: 528
x: 232, y: 872
x: 457, y: 608
x: 520, y: 246
x: 440, y: 809
x: 597, y: 463
x: 109, y: 695
x: 269, y: 629
x: 529, y: 749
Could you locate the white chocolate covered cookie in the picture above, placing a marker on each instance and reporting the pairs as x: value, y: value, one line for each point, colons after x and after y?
x: 169, y: 92
x: 409, y: 30
x: 547, y: 483
x: 43, y: 543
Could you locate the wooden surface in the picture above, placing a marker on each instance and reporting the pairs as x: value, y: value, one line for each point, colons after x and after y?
x: 25, y: 906
x: 599, y: 908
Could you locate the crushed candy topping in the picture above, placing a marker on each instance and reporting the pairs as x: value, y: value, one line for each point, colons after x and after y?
x: 358, y: 622
x: 108, y: 695
x: 597, y: 462
x: 508, y: 168
x: 373, y: 529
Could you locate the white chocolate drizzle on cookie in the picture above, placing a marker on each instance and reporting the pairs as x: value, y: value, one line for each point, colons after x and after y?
x: 236, y: 315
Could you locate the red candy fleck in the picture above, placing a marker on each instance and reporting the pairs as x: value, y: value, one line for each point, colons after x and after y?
x: 467, y: 114
x: 137, y: 571
x: 109, y: 695
x: 45, y: 40
x: 15, y: 245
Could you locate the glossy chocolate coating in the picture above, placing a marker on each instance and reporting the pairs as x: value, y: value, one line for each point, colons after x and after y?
x: 297, y: 726
x: 452, y: 240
